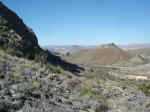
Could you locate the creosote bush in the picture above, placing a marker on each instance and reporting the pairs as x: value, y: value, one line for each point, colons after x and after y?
x: 36, y: 84
x: 145, y: 88
x: 58, y: 69
x: 16, y: 76
x: 92, y: 92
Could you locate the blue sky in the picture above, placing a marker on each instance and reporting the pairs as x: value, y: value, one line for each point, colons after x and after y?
x: 85, y: 22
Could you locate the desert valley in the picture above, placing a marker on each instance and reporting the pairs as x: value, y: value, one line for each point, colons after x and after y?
x: 97, y: 78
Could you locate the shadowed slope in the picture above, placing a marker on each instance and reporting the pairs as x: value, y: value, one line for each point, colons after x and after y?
x: 18, y: 39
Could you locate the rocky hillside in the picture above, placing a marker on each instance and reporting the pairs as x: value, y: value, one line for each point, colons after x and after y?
x: 100, y: 55
x: 18, y: 39
x: 32, y: 80
x: 28, y: 86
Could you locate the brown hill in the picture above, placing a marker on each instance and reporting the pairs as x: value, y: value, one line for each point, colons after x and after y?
x: 100, y: 55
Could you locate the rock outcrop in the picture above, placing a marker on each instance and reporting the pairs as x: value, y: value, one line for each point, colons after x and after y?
x: 18, y: 39
x: 15, y: 35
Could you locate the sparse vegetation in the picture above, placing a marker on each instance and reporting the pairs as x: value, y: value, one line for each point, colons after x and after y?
x: 92, y: 92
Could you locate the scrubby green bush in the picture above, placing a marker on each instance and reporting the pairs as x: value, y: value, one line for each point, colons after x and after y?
x: 29, y: 66
x: 16, y: 76
x: 58, y: 69
x: 36, y: 84
x: 70, y: 99
x: 92, y: 92
x: 140, y: 108
x: 85, y: 90
x: 145, y: 88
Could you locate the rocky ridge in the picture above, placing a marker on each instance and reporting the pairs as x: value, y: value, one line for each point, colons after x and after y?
x: 18, y: 39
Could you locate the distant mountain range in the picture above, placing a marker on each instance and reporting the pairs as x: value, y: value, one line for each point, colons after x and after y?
x: 100, y: 55
x: 64, y: 49
x: 135, y: 46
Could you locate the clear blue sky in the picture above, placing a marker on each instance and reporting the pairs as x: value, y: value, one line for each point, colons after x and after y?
x: 85, y: 22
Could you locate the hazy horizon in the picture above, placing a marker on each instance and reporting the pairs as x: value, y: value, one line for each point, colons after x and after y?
x: 86, y: 22
x: 96, y: 44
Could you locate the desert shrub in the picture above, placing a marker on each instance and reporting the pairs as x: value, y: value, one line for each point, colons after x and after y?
x: 145, y: 88
x: 58, y: 69
x: 29, y: 66
x: 72, y: 84
x: 16, y: 76
x: 36, y: 84
x: 92, y: 92
x: 102, y: 108
x: 70, y: 99
x: 52, y: 89
x: 140, y: 108
x: 49, y: 66
x: 84, y: 90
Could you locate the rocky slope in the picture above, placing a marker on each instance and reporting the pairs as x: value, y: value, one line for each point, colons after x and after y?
x: 18, y: 39
x: 29, y: 85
